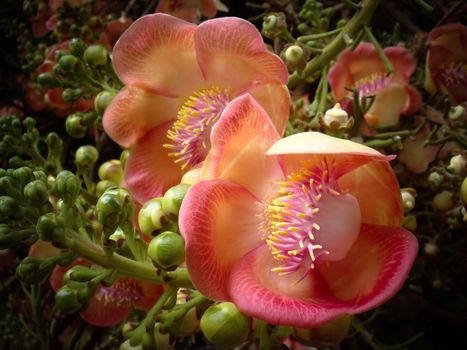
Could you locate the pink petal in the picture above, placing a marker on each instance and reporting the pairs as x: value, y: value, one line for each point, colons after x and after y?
x: 275, y: 99
x: 134, y: 112
x: 376, y: 188
x: 402, y: 61
x: 414, y: 100
x: 157, y: 53
x: 280, y: 300
x: 43, y: 250
x: 219, y: 222
x: 239, y: 141
x: 313, y: 147
x: 149, y: 171
x: 150, y: 294
x: 375, y: 268
x: 340, y: 79
x: 231, y: 53
x: 208, y: 8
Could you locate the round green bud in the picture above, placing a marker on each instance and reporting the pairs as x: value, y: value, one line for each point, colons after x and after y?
x: 173, y: 199
x: 32, y: 270
x: 103, y: 186
x: 111, y: 171
x: 431, y: 249
x: 274, y: 25
x: 463, y: 191
x: 77, y: 47
x: 75, y: 127
x: 150, y: 215
x: 435, y: 180
x: 294, y: 53
x: 102, y: 101
x: 67, y: 63
x: 72, y: 95
x: 8, y: 206
x: 456, y: 113
x: 50, y: 227
x: 443, y: 201
x: 67, y: 184
x: 95, y: 55
x: 224, y: 325
x: 86, y: 155
x: 457, y: 164
x: 48, y: 80
x: 408, y: 200
x: 110, y: 202
x: 36, y: 192
x: 67, y: 300
x: 59, y: 54
x: 410, y: 222
x: 167, y: 250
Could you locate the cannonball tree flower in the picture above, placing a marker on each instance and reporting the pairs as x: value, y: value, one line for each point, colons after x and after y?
x: 446, y: 62
x: 363, y: 69
x: 190, y: 10
x: 294, y: 231
x: 179, y: 78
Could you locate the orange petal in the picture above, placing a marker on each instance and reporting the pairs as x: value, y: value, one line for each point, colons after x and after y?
x: 275, y: 99
x: 313, y: 147
x: 231, y: 53
x: 219, y: 222
x: 387, y: 106
x: 134, y: 112
x: 374, y: 269
x: 43, y: 250
x: 402, y: 61
x: 239, y: 141
x: 157, y: 53
x: 376, y: 188
x: 149, y: 171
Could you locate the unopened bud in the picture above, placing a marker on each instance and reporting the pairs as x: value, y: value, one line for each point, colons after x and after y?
x: 102, y: 101
x: 274, y: 25
x: 457, y: 164
x: 328, y: 334
x: 72, y: 95
x: 410, y: 222
x: 463, y: 191
x: 50, y: 228
x: 86, y: 156
x: 103, y: 186
x: 77, y: 47
x: 48, y: 80
x: 75, y: 127
x: 67, y: 185
x: 456, y: 113
x: 336, y: 118
x: 95, y: 55
x: 67, y: 63
x: 36, y: 192
x: 67, y: 300
x: 173, y: 199
x: 295, y: 57
x: 444, y: 201
x: 111, y: 171
x: 408, y: 200
x: 431, y: 249
x: 150, y: 215
x: 167, y: 250
x: 435, y: 180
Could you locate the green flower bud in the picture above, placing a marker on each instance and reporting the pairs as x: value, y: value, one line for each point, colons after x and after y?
x: 431, y: 249
x: 224, y: 325
x: 112, y: 208
x: 111, y: 171
x: 67, y: 185
x: 410, y: 222
x: 67, y: 63
x: 50, y: 228
x: 124, y: 157
x: 150, y: 215
x: 435, y: 180
x: 75, y: 127
x: 68, y: 300
x: 408, y: 200
x: 103, y: 186
x: 36, y: 192
x: 59, y: 54
x: 95, y: 55
x: 77, y: 47
x: 443, y: 201
x: 463, y: 191
x: 48, y: 80
x: 328, y: 334
x: 71, y: 95
x: 295, y: 56
x: 456, y: 113
x: 274, y: 25
x: 32, y: 270
x: 23, y: 175
x: 86, y: 156
x: 102, y: 101
x: 167, y: 250
x: 457, y: 164
x: 173, y: 199
x: 8, y: 206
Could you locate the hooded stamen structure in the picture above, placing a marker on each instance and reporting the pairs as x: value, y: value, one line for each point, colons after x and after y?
x: 368, y: 86
x: 191, y: 132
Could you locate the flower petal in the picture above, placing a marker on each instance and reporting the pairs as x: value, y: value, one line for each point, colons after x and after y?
x: 375, y: 187
x: 134, y: 112
x: 402, y: 61
x: 374, y: 269
x: 239, y: 141
x: 231, y: 53
x: 280, y: 300
x: 218, y: 222
x: 149, y: 171
x: 150, y: 293
x: 157, y: 53
x: 314, y: 147
x: 340, y: 79
x: 275, y: 99
x: 43, y: 250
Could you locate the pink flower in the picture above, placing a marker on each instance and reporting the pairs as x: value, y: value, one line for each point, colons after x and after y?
x: 188, y: 10
x: 294, y: 231
x: 179, y: 79
x: 363, y: 69
x: 446, y: 68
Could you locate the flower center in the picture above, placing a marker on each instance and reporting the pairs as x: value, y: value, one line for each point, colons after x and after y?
x: 310, y: 219
x: 122, y: 292
x: 192, y: 130
x: 369, y: 85
x: 452, y: 74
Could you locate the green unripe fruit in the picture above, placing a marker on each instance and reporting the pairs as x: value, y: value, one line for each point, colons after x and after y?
x: 102, y: 101
x: 111, y: 171
x: 86, y: 155
x: 50, y: 227
x: 67, y: 184
x: 75, y: 127
x: 48, y: 80
x: 68, y: 63
x: 95, y: 55
x: 150, y: 215
x: 68, y: 300
x: 443, y: 201
x: 463, y: 191
x: 173, y: 199
x: 167, y: 250
x: 36, y: 192
x: 224, y: 325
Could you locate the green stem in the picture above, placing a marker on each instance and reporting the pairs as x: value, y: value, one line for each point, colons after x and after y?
x: 365, y: 334
x: 351, y: 4
x: 338, y: 44
x: 323, y: 92
x: 125, y: 266
x: 379, y: 50
x: 304, y: 38
x: 381, y: 143
x: 35, y: 156
x: 424, y: 5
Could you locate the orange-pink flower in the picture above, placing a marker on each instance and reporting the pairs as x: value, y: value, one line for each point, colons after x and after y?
x: 446, y: 66
x: 364, y: 70
x: 179, y: 79
x: 294, y: 231
x: 189, y: 10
